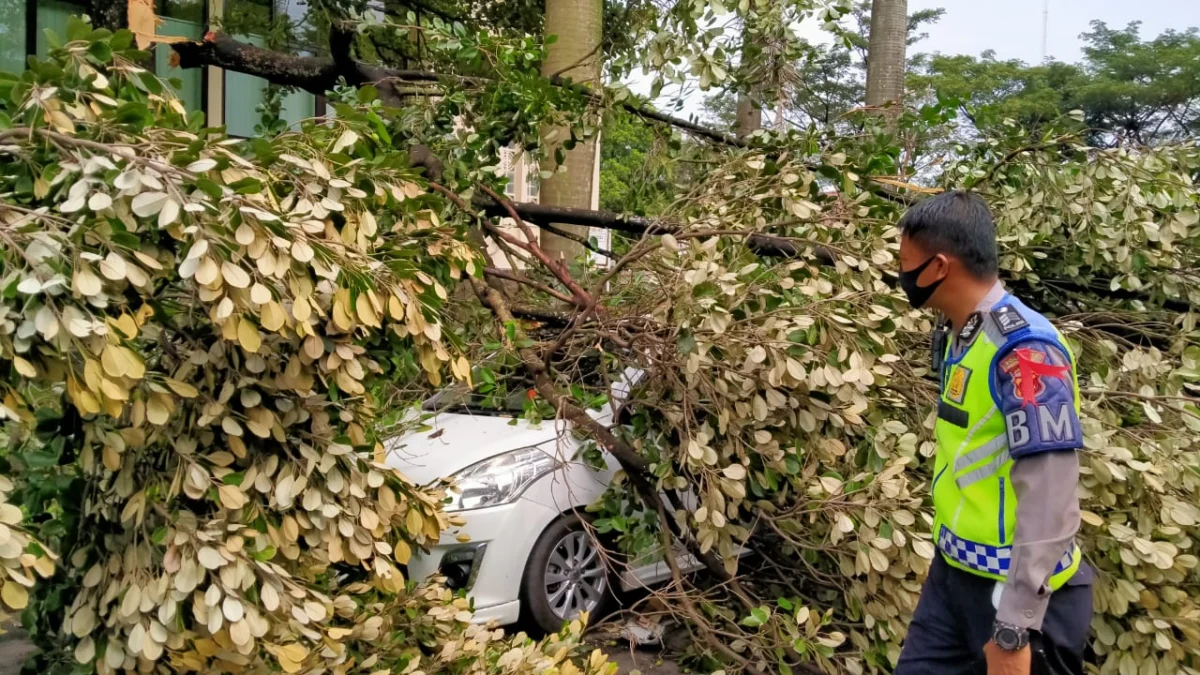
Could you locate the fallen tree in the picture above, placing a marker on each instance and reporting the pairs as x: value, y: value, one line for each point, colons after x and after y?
x: 790, y: 395
x: 188, y: 342
x: 793, y: 397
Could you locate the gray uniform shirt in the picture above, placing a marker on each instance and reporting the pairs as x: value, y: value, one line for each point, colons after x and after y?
x: 1047, y: 519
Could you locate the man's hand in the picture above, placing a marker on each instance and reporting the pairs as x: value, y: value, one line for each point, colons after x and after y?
x: 1001, y: 662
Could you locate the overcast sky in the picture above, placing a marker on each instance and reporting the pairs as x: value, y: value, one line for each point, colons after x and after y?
x: 1013, y: 28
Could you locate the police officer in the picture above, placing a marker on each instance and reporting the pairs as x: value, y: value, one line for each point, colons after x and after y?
x: 1008, y: 587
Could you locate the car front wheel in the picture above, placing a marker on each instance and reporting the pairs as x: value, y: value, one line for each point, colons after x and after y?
x: 565, y: 576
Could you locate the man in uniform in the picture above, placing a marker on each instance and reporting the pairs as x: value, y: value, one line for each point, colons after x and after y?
x: 1008, y: 575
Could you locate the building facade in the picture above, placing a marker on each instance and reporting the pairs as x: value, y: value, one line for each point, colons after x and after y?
x: 225, y: 98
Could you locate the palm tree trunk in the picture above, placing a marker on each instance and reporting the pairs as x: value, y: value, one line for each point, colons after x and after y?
x: 749, y: 103
x: 885, y: 52
x: 575, y: 56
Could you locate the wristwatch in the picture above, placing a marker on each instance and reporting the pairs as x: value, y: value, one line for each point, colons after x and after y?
x: 1010, y: 638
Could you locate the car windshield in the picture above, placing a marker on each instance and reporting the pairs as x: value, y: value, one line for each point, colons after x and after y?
x: 463, y: 398
x: 510, y: 398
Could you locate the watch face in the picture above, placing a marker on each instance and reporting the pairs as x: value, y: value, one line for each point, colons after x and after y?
x: 1007, y: 638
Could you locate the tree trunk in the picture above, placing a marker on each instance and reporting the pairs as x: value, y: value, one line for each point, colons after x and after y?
x: 575, y: 56
x: 749, y: 103
x: 749, y: 115
x: 885, y: 52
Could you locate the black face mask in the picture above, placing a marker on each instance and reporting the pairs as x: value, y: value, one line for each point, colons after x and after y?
x: 918, y: 295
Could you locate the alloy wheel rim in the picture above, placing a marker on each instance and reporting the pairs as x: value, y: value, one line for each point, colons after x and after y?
x: 575, y: 576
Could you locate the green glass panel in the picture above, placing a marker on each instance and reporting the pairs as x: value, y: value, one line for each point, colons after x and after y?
x: 187, y: 10
x: 297, y: 106
x: 12, y: 35
x: 191, y: 90
x: 52, y: 15
x: 243, y: 94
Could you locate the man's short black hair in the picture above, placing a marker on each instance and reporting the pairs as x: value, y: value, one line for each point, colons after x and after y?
x: 956, y: 223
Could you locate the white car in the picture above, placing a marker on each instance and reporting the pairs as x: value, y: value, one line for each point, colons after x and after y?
x: 524, y: 488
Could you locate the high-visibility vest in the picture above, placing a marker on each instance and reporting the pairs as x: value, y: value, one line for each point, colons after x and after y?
x: 975, y: 506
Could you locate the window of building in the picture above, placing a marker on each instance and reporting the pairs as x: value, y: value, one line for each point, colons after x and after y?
x: 533, y: 181
x: 508, y: 166
x: 244, y: 93
x: 184, y: 18
x: 22, y: 35
x: 12, y: 35
x: 52, y: 15
x: 23, y: 26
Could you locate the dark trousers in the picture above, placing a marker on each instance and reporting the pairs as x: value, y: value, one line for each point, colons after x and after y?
x: 954, y: 620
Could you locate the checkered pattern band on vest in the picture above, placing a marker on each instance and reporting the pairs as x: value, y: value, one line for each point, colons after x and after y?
x: 984, y: 558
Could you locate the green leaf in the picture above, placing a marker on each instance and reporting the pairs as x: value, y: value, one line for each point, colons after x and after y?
x: 121, y: 40
x: 264, y: 555
x: 758, y: 616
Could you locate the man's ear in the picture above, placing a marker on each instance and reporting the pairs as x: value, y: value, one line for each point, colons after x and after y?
x: 941, y: 264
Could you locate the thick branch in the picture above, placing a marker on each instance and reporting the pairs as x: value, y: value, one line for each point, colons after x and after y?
x: 313, y: 74
x: 762, y: 244
x: 318, y: 75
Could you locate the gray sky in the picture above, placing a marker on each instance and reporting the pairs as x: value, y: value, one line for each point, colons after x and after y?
x: 1014, y: 27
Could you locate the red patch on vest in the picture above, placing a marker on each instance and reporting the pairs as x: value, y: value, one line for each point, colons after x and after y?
x: 1027, y: 367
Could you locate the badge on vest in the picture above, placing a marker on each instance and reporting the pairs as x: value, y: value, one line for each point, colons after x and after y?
x: 1009, y: 319
x: 970, y: 329
x: 956, y: 387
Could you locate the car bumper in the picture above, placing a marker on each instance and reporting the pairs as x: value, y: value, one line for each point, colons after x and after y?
x: 500, y: 540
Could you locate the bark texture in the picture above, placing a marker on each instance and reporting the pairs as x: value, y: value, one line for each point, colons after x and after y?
x: 575, y: 56
x: 886, y: 52
x: 749, y: 102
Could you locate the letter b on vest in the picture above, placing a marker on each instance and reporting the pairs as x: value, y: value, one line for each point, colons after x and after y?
x: 1018, y: 429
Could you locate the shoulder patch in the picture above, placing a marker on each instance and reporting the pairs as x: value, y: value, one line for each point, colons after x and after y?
x: 1027, y: 368
x: 1009, y: 319
x: 970, y: 329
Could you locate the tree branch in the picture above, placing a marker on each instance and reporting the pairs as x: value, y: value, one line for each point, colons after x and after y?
x: 526, y: 281
x: 314, y: 74
x: 762, y: 244
x: 318, y: 75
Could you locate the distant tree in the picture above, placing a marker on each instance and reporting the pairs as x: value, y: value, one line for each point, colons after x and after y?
x: 829, y: 80
x: 1129, y: 89
x: 643, y: 168
x: 634, y: 178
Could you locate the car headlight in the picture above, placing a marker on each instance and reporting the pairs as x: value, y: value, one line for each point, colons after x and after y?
x: 499, y: 480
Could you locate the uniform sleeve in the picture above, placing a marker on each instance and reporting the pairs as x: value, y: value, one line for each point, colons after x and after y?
x: 1047, y: 521
x: 1034, y: 390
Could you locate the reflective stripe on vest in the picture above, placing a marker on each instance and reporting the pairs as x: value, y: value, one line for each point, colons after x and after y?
x: 990, y: 560
x: 975, y: 506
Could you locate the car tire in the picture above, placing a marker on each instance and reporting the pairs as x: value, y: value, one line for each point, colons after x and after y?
x: 567, y: 572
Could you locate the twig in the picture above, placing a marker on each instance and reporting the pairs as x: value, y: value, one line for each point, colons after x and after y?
x: 581, y: 240
x: 557, y: 268
x: 526, y: 281
x: 578, y: 62
x: 991, y: 172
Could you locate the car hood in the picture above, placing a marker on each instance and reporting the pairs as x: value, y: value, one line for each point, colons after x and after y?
x: 455, y: 441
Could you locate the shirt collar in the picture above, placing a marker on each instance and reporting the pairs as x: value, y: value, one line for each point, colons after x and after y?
x: 994, y: 296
